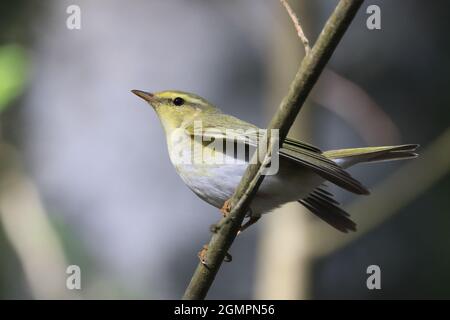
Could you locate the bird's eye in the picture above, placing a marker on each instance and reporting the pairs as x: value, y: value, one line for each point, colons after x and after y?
x: 178, y: 101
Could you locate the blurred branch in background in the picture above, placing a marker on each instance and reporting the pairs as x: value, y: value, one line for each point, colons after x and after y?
x: 29, y: 231
x: 349, y: 101
x: 22, y: 216
x: 278, y: 264
x: 282, y: 237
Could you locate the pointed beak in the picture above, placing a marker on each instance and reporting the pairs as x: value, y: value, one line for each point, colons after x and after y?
x: 147, y: 96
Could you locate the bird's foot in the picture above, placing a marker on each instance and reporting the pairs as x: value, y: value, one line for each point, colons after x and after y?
x: 250, y: 222
x: 228, y: 257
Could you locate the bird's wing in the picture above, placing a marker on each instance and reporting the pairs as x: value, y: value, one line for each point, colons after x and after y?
x: 231, y: 131
x: 323, y: 166
x: 227, y: 128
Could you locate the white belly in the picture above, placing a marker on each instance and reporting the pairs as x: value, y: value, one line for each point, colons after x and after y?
x: 216, y: 183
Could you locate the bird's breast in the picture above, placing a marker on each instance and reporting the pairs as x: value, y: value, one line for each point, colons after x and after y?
x: 215, y: 180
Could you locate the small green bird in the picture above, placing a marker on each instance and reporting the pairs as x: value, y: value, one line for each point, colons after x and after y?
x: 191, y: 123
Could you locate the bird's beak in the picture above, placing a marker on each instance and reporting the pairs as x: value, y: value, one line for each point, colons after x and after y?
x: 147, y: 96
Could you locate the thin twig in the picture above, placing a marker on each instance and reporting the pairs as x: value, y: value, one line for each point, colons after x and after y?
x: 297, y: 25
x: 307, y: 75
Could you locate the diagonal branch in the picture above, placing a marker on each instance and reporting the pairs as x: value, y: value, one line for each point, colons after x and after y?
x: 307, y: 75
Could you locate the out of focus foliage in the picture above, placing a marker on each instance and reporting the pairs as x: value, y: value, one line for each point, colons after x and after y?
x: 13, y: 73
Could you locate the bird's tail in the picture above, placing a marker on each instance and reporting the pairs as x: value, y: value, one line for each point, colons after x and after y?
x: 349, y: 157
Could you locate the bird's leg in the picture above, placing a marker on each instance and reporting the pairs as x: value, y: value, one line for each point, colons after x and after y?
x: 251, y: 221
x: 202, y: 255
x: 226, y: 208
x: 228, y: 257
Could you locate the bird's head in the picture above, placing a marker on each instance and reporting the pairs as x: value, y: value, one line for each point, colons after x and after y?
x: 176, y: 107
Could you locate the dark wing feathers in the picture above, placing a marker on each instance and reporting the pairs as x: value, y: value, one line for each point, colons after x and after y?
x: 299, y: 144
x: 322, y: 190
x: 327, y: 209
x: 324, y: 167
x: 325, y: 195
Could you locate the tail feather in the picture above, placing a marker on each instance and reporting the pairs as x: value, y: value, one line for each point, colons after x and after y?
x: 349, y: 157
x: 323, y: 205
x: 321, y: 202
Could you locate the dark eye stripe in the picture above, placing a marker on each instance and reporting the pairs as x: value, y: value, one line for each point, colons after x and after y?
x: 178, y: 101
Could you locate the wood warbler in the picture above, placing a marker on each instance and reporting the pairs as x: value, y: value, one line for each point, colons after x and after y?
x: 211, y: 150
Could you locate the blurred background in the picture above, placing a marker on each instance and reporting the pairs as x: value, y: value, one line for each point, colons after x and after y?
x: 85, y: 178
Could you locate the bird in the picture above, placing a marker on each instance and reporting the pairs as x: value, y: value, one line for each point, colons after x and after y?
x: 303, y: 171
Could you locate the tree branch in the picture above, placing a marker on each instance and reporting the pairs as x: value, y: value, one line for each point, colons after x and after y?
x: 307, y: 75
x: 297, y: 26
